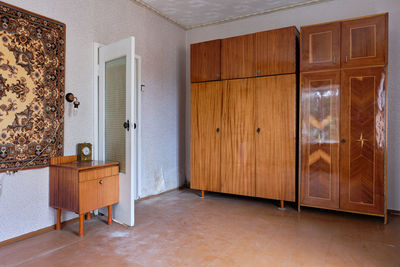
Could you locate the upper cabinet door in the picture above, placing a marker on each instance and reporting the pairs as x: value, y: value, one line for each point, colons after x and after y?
x: 276, y: 51
x: 363, y: 134
x: 364, y: 42
x: 320, y: 47
x: 238, y: 57
x: 205, y: 61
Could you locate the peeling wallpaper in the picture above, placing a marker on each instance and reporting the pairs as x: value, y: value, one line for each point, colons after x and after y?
x: 24, y: 199
x: 324, y: 12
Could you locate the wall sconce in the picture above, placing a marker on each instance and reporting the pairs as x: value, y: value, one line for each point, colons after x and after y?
x: 71, y: 98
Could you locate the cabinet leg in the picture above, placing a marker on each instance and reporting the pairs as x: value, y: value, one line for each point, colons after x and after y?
x: 109, y: 214
x: 202, y: 193
x: 81, y: 220
x: 282, y: 204
x: 88, y: 216
x: 58, y: 224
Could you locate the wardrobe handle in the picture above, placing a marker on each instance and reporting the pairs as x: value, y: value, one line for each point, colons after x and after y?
x: 346, y: 59
x: 258, y: 130
x: 334, y: 59
x: 343, y: 140
x: 217, y: 130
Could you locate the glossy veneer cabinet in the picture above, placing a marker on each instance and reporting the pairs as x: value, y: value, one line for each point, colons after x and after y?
x: 345, y: 44
x: 343, y: 115
x: 243, y: 131
x: 253, y: 55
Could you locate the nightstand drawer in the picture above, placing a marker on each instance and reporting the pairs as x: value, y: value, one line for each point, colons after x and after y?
x: 98, y: 173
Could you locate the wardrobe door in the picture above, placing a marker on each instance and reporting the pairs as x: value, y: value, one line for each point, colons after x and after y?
x: 320, y: 47
x: 276, y: 137
x: 205, y: 141
x: 237, y: 145
x: 363, y: 133
x: 238, y: 57
x: 276, y: 51
x: 320, y: 139
x: 205, y: 61
x: 364, y: 42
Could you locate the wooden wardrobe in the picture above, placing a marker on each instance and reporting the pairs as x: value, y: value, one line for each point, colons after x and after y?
x: 243, y: 115
x: 343, y: 117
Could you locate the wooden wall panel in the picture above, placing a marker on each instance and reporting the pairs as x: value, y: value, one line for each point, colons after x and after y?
x: 205, y: 61
x: 320, y: 47
x: 205, y: 141
x: 237, y: 145
x: 320, y: 108
x: 364, y: 41
x: 276, y: 137
x: 363, y: 109
x: 238, y: 57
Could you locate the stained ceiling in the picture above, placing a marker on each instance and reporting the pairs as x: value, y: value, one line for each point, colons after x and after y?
x: 191, y: 14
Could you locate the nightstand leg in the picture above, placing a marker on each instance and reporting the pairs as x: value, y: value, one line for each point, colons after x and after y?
x: 58, y: 224
x: 88, y: 216
x: 109, y: 214
x: 81, y: 220
x: 202, y: 193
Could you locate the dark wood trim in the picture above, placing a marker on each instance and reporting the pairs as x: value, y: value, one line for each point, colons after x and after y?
x: 36, y: 233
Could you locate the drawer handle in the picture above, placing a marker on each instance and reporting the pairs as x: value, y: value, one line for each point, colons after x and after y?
x: 101, y: 182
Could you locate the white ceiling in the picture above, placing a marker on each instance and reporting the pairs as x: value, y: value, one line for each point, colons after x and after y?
x: 196, y: 13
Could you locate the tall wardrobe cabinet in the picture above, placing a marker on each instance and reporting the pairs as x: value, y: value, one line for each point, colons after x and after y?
x: 243, y: 121
x: 343, y: 115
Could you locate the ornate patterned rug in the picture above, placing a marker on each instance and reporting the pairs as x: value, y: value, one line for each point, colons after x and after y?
x: 32, y: 71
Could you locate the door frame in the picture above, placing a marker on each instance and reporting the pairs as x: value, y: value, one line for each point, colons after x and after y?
x: 137, y: 113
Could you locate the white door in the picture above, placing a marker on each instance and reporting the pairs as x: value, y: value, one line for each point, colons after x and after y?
x: 116, y: 120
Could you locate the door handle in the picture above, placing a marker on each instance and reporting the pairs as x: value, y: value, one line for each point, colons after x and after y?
x: 126, y: 125
x: 217, y: 130
x: 134, y: 126
x: 343, y: 140
x: 258, y: 130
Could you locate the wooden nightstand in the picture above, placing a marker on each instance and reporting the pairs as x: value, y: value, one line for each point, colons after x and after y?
x: 83, y: 186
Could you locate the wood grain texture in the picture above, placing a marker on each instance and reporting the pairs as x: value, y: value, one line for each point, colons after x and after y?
x: 87, y: 165
x: 88, y: 196
x: 276, y: 51
x: 320, y: 47
x: 237, y: 144
x: 108, y: 192
x: 238, y: 57
x: 64, y: 159
x: 205, y: 61
x: 64, y: 191
x: 364, y: 42
x: 98, y: 173
x: 319, y: 139
x: 275, y: 109
x: 205, y: 140
x: 363, y: 126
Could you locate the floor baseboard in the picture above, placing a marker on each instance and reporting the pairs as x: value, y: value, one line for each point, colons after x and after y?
x: 36, y: 233
x: 162, y: 193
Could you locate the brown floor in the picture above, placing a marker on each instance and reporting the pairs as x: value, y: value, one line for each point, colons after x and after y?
x: 181, y: 229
